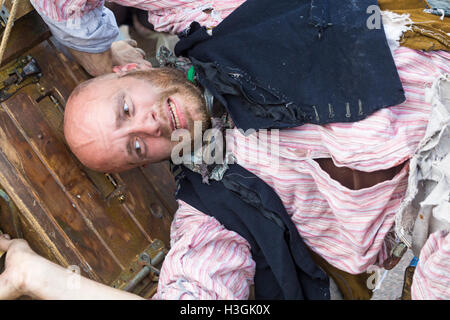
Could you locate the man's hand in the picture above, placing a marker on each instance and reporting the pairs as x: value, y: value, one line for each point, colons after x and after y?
x: 19, y: 259
x: 126, y: 51
x: 121, y: 53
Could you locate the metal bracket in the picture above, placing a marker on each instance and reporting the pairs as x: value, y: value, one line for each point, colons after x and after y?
x: 145, y: 264
x: 18, y: 74
x: 396, y: 255
x: 119, y: 191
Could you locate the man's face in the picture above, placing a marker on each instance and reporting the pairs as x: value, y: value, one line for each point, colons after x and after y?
x: 117, y: 123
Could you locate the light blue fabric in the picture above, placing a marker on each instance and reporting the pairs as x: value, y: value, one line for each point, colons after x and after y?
x: 440, y: 6
x: 93, y: 32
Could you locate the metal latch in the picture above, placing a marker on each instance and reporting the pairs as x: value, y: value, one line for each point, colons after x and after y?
x: 145, y: 265
x: 149, y: 266
x: 18, y: 74
x: 118, y: 190
x: 396, y: 255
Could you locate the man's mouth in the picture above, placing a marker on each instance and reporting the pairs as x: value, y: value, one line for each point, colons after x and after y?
x: 174, y: 118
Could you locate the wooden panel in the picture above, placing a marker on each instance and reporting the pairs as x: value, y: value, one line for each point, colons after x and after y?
x: 64, y: 214
x: 161, y: 178
x: 13, y: 223
x: 31, y: 210
x: 26, y: 33
x: 23, y: 7
x: 142, y: 200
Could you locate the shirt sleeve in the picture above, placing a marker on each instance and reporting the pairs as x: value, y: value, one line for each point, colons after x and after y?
x: 431, y: 279
x: 83, y: 25
x: 174, y: 16
x: 206, y: 261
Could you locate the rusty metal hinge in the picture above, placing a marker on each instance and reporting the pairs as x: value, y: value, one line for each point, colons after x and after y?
x: 118, y: 191
x: 18, y: 74
x: 143, y: 266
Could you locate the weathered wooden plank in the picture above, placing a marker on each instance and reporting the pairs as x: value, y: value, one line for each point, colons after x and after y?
x: 159, y: 175
x: 57, y: 76
x: 23, y: 7
x: 65, y: 213
x: 143, y: 202
x: 30, y: 205
x: 13, y: 223
x: 26, y: 33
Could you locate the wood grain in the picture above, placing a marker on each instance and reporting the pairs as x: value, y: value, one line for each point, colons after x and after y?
x: 69, y: 214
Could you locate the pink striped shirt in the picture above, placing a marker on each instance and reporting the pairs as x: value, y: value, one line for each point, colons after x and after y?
x: 431, y: 278
x: 166, y: 15
x: 346, y: 227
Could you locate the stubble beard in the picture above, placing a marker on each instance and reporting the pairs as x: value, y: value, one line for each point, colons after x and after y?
x: 172, y: 81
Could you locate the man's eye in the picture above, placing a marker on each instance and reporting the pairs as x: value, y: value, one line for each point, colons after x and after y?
x: 126, y: 109
x: 137, y: 147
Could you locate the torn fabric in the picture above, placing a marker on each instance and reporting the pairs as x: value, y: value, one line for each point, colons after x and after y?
x: 426, y: 207
x: 281, y: 64
x: 395, y: 25
x: 428, y: 31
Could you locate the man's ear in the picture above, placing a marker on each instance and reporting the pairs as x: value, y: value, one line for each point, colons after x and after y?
x: 131, y: 67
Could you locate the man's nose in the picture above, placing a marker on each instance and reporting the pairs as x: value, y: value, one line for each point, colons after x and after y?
x: 148, y: 123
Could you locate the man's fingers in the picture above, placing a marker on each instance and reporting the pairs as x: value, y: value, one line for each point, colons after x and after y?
x: 148, y: 63
x: 131, y: 42
x: 141, y: 51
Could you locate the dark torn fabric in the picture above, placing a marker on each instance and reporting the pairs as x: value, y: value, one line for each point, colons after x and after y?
x: 280, y: 64
x: 245, y: 204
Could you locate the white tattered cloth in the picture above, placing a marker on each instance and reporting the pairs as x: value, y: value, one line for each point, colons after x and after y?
x: 423, y: 220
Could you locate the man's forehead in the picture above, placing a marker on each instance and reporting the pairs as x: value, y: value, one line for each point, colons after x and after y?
x: 89, y: 127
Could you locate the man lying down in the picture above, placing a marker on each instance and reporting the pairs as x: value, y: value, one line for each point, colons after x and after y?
x: 305, y: 222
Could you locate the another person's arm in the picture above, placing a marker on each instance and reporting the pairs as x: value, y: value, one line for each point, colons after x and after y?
x: 27, y: 273
x: 205, y: 261
x: 88, y: 30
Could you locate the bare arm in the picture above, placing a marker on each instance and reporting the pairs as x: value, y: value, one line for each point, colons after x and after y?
x: 95, y: 64
x: 89, y: 31
x: 27, y: 273
x: 121, y: 53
